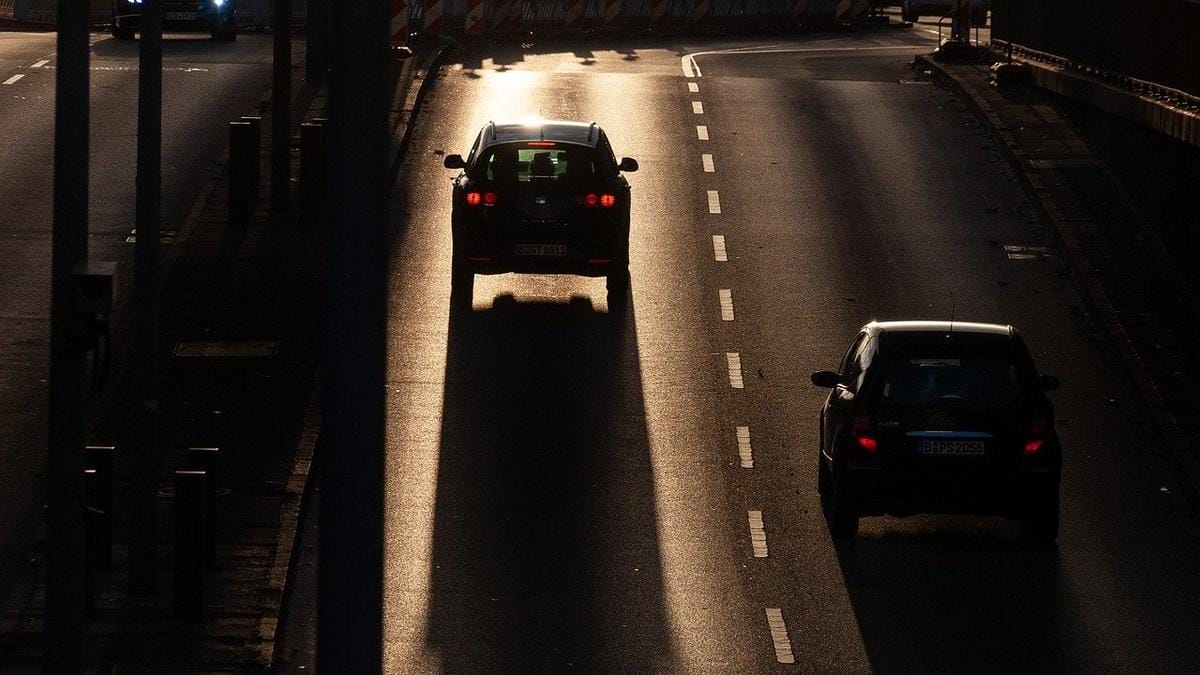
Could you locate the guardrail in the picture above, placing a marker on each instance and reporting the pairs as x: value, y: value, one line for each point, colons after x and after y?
x: 498, y: 17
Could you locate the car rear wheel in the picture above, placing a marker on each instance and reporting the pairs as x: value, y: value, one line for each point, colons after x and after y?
x: 122, y: 33
x: 224, y: 34
x: 840, y: 506
x: 1043, y: 519
x: 462, y: 286
x: 617, y: 283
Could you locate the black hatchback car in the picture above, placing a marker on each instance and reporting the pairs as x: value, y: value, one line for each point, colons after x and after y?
x: 938, y: 417
x: 218, y: 17
x: 540, y: 197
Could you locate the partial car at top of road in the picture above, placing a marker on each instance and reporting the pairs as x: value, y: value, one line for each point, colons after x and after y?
x: 541, y: 196
x: 912, y: 10
x: 217, y: 17
x: 938, y: 417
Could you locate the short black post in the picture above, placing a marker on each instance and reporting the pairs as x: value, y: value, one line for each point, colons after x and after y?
x: 100, y: 459
x: 241, y: 135
x: 206, y: 460
x: 189, y: 544
x: 311, y: 179
x: 90, y: 518
x: 255, y: 155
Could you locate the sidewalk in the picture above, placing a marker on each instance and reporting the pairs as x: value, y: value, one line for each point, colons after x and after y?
x: 240, y: 353
x: 1119, y: 264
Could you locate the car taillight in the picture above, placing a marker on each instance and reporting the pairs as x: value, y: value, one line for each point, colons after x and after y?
x: 485, y: 198
x: 474, y: 198
x: 864, y: 435
x: 1038, y: 432
x: 489, y: 199
x: 592, y: 199
x: 608, y: 201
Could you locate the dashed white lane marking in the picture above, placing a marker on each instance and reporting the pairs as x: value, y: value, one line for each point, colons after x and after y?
x: 758, y: 534
x: 693, y: 87
x: 41, y: 63
x: 734, y: 361
x: 702, y: 133
x: 719, y: 252
x: 726, y: 297
x: 779, y: 636
x: 707, y: 160
x: 714, y: 202
x: 697, y: 107
x: 14, y: 78
x: 744, y: 451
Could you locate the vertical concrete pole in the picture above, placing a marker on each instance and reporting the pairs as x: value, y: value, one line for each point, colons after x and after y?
x: 65, y: 546
x: 350, y: 633
x: 281, y: 109
x: 143, y: 545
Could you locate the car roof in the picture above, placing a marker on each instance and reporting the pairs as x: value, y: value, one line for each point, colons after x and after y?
x: 563, y: 131
x: 940, y: 327
x: 909, y: 339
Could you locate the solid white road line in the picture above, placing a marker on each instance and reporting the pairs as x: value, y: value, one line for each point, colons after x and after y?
x: 707, y: 160
x: 693, y: 87
x: 697, y: 107
x: 734, y: 361
x: 779, y: 636
x: 719, y: 252
x: 702, y: 133
x: 744, y: 451
x: 758, y: 534
x: 14, y: 78
x: 714, y: 202
x: 41, y: 63
x: 690, y: 69
x: 725, y: 295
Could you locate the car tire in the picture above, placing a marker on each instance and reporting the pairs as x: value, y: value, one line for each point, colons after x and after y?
x: 224, y: 34
x: 1043, y: 519
x: 907, y: 14
x: 979, y: 16
x: 841, y: 508
x: 124, y: 34
x: 462, y: 286
x: 617, y: 283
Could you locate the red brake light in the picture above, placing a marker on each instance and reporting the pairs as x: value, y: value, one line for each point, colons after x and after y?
x: 541, y: 144
x: 1032, y: 446
x: 473, y: 198
x: 592, y: 199
x: 608, y: 201
x: 1037, y: 432
x: 489, y: 198
x: 862, y: 433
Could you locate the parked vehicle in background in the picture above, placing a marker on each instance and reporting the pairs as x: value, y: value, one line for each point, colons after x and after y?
x: 218, y: 17
x: 938, y: 417
x: 913, y: 10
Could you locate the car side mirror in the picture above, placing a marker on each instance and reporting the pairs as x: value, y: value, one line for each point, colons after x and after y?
x: 1048, y: 382
x: 454, y: 162
x: 628, y: 164
x: 826, y: 379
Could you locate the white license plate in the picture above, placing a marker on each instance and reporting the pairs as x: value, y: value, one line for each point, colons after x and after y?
x: 541, y: 249
x: 950, y: 448
x: 180, y: 16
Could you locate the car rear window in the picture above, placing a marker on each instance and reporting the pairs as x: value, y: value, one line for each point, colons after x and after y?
x: 977, y: 384
x: 540, y: 162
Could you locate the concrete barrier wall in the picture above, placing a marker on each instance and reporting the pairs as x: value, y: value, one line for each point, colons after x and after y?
x: 1153, y: 40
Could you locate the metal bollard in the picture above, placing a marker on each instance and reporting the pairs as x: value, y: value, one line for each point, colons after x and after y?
x: 206, y: 460
x: 255, y: 155
x: 100, y: 459
x: 189, y: 544
x: 241, y: 135
x: 311, y: 180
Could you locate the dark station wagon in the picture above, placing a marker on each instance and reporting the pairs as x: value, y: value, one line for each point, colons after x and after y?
x: 543, y: 197
x: 217, y: 17
x: 938, y: 417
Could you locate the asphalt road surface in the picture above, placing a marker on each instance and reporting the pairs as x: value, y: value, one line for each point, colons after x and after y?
x: 205, y: 85
x: 567, y: 489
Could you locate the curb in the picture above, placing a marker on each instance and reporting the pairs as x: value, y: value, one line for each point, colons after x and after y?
x: 1182, y: 463
x: 403, y: 130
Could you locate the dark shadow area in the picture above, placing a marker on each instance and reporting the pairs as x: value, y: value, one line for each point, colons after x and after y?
x: 173, y: 44
x: 545, y: 547
x: 979, y: 601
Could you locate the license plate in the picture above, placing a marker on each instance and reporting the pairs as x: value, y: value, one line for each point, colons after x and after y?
x: 180, y: 16
x: 950, y: 448
x: 541, y: 249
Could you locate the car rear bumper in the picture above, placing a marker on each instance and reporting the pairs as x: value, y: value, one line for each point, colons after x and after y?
x: 578, y: 265
x: 590, y: 249
x: 1014, y: 494
x: 205, y: 20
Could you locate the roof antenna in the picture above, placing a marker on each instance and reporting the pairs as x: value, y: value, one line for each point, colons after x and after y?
x: 953, y: 307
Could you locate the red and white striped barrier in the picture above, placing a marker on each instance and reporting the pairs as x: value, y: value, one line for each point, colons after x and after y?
x: 473, y: 25
x: 612, y: 13
x: 571, y: 21
x: 399, y: 21
x: 659, y: 12
x: 433, y: 16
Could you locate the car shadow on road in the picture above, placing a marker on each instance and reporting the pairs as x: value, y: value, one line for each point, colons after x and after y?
x: 961, y: 599
x: 545, y: 551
